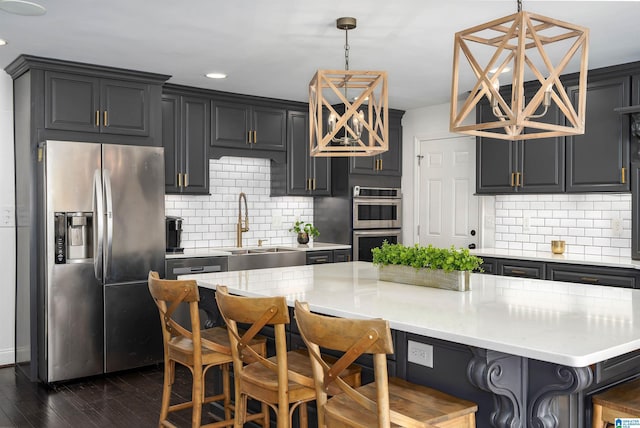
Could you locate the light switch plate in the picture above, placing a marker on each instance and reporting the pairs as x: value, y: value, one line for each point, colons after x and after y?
x: 7, y: 216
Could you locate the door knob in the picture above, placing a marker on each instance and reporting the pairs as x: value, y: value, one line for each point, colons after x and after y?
x: 473, y: 232
x: 472, y: 246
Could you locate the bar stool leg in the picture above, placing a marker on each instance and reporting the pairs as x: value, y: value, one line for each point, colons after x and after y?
x: 197, y: 393
x: 166, y: 390
x: 596, y: 418
x: 226, y: 390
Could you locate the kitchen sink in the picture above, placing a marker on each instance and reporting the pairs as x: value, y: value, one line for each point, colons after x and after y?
x: 261, y: 258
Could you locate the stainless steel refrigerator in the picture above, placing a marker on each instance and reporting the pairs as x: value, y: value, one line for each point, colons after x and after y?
x: 102, y: 231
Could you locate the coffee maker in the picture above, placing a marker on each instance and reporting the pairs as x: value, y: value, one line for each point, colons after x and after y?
x: 174, y: 232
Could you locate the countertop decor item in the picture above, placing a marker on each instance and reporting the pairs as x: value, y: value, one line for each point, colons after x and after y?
x: 531, y: 47
x: 557, y: 247
x: 304, y: 230
x: 360, y: 127
x: 426, y: 266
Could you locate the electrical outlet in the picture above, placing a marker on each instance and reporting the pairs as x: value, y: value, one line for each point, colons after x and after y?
x: 616, y: 227
x: 420, y: 353
x: 276, y: 221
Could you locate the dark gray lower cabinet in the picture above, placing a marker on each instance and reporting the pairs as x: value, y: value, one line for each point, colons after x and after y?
x: 617, y: 277
x: 521, y: 268
x: 328, y: 256
x: 566, y: 272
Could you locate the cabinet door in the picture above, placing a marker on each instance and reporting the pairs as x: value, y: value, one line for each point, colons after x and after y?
x: 124, y: 107
x: 298, y: 162
x: 195, y: 137
x: 615, y: 277
x: 171, y: 142
x: 595, y: 160
x: 319, y: 257
x: 340, y: 256
x: 495, y: 160
x: 541, y: 161
x: 521, y: 268
x: 72, y: 102
x: 231, y: 124
x: 270, y: 126
x: 391, y: 160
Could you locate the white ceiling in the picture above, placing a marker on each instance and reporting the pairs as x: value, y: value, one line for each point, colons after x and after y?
x: 272, y: 48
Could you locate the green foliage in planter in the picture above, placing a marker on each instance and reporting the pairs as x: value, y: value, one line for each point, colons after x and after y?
x: 426, y: 257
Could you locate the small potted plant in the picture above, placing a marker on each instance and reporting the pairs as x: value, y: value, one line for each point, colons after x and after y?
x: 304, y: 230
x: 429, y: 266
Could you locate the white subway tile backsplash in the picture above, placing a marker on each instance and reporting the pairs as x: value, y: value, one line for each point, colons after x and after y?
x: 210, y: 220
x: 584, y: 221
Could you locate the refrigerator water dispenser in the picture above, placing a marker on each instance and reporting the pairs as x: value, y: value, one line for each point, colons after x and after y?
x: 73, y: 237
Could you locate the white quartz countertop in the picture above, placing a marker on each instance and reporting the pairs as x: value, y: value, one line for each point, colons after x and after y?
x: 226, y: 251
x: 563, y: 323
x: 548, y: 256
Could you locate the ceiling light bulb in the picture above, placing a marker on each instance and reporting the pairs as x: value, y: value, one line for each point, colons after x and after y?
x: 216, y: 75
x: 3, y: 42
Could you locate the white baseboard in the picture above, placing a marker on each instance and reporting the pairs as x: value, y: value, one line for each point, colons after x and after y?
x: 7, y: 356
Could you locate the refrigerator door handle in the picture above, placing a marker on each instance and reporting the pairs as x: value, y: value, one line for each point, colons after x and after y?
x: 109, y: 218
x: 98, y: 229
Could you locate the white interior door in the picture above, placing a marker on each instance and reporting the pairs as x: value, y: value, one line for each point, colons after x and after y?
x: 448, y: 208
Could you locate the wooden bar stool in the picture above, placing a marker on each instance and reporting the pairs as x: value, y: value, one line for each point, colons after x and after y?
x: 195, y: 349
x: 622, y: 401
x: 284, y: 382
x: 383, y: 403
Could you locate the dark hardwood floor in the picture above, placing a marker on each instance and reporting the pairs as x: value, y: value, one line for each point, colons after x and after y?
x: 128, y: 399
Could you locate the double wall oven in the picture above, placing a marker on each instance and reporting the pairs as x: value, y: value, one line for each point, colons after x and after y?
x: 377, y: 217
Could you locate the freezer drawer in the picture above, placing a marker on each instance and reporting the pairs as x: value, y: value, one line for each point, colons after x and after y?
x: 133, y: 335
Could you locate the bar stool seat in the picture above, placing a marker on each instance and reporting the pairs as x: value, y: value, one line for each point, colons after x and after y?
x: 622, y: 401
x: 384, y: 403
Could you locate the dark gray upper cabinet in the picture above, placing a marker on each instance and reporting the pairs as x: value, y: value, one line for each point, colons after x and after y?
x: 598, y: 161
x: 75, y: 102
x: 301, y: 175
x: 186, y: 124
x: 388, y: 163
x: 86, y: 102
x: 239, y: 125
x: 526, y: 166
x: 384, y: 170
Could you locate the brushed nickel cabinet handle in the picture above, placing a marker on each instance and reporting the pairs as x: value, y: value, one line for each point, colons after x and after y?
x: 105, y: 118
x: 249, y: 138
x: 588, y: 279
x: 519, y: 272
x: 97, y: 117
x: 380, y: 164
x: 623, y: 177
x: 179, y: 180
x: 513, y: 176
x: 186, y: 180
x: 255, y: 137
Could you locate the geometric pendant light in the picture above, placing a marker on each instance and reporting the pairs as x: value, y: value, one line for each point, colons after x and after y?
x: 531, y: 47
x: 348, y: 109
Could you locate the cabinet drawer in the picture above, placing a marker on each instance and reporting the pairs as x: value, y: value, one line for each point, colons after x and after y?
x: 521, y: 269
x: 489, y: 266
x: 319, y: 257
x: 595, y: 276
x: 340, y: 256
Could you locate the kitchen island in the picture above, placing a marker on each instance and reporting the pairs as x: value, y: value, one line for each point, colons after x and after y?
x: 529, y: 352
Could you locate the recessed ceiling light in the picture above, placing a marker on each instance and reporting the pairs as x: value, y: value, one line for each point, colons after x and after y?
x: 3, y: 42
x: 22, y: 7
x: 216, y: 75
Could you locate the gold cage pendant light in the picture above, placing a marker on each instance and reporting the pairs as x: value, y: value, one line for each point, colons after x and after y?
x: 359, y: 126
x: 521, y: 43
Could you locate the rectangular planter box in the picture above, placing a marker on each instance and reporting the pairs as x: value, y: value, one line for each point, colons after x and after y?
x: 437, y: 278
